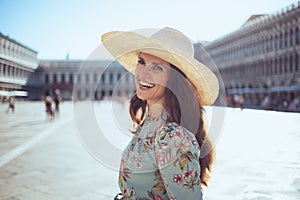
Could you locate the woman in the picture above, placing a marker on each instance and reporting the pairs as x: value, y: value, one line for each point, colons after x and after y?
x: 170, y: 155
x: 48, y: 104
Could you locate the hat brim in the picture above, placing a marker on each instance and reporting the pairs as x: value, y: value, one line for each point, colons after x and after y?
x: 125, y: 46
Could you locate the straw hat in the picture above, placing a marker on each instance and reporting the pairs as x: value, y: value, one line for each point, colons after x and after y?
x: 169, y: 45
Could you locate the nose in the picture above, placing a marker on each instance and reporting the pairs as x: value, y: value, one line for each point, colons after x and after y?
x: 146, y: 69
x: 143, y: 72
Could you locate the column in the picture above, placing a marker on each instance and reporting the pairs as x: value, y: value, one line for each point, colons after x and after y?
x: 273, y: 67
x: 91, y: 78
x: 58, y: 76
x: 83, y: 78
x: 106, y: 78
x: 50, y: 75
x: 115, y: 77
x: 67, y: 77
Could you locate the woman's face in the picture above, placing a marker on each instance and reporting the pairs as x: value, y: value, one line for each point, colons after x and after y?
x: 151, y: 76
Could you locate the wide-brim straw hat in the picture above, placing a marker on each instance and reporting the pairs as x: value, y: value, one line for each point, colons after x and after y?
x: 169, y: 45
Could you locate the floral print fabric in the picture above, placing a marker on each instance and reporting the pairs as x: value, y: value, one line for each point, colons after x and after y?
x: 161, y: 162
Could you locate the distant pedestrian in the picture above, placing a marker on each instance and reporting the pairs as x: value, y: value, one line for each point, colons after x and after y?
x: 235, y: 100
x: 229, y: 100
x: 57, y: 99
x: 11, y: 104
x: 48, y: 104
x: 241, y: 101
x: 294, y: 105
x: 238, y: 100
x: 266, y: 103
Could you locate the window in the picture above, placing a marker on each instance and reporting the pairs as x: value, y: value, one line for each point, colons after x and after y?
x: 87, y: 78
x: 276, y: 66
x: 280, y: 41
x: 286, y: 39
x: 71, y: 78
x: 8, y: 70
x: 291, y: 37
x: 63, y: 79
x: 297, y: 62
x: 103, y: 79
x: 281, y: 65
x: 111, y: 78
x: 78, y: 78
x: 297, y: 34
x: 46, y: 78
x: 291, y: 63
x: 286, y: 64
x: 55, y: 78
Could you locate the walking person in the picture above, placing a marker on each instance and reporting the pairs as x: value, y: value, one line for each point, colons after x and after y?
x: 163, y: 160
x: 48, y: 105
x: 11, y: 104
x: 241, y: 101
x: 57, y: 99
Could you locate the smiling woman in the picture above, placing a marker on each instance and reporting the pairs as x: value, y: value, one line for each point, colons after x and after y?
x: 163, y: 159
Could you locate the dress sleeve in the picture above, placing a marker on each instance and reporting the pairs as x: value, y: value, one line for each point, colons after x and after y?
x: 177, y: 156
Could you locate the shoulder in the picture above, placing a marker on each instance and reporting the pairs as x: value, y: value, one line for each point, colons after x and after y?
x: 173, y: 130
x: 175, y: 135
x: 175, y: 144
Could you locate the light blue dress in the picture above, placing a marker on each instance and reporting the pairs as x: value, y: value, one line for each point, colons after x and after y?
x: 161, y: 162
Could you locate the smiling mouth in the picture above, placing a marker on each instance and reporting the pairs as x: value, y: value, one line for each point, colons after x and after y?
x: 146, y: 85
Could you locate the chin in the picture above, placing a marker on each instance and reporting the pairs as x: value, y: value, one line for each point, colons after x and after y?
x: 142, y: 97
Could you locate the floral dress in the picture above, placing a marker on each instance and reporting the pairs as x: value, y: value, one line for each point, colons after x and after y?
x: 161, y: 162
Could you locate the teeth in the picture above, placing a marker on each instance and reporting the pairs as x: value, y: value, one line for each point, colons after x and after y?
x: 149, y: 85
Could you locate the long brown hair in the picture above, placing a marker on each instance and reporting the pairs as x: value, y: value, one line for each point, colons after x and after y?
x: 183, y: 106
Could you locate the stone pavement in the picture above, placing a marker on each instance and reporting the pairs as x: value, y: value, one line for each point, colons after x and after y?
x: 45, y: 160
x: 258, y: 156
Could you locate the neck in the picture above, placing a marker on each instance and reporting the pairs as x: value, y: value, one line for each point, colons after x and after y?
x: 155, y: 111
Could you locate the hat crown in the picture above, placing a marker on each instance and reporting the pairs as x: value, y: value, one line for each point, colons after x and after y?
x: 175, y: 39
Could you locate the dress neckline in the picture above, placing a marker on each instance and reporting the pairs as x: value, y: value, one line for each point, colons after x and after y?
x: 151, y: 125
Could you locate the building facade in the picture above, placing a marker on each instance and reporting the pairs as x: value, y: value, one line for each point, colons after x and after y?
x: 81, y: 80
x: 261, y: 60
x: 17, y: 63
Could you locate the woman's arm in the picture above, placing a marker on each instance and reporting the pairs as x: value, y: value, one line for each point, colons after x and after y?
x: 177, y: 155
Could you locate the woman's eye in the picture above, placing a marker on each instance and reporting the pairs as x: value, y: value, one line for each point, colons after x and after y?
x: 157, y: 67
x: 141, y: 62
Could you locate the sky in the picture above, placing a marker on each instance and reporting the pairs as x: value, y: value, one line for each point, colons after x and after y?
x: 55, y: 28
